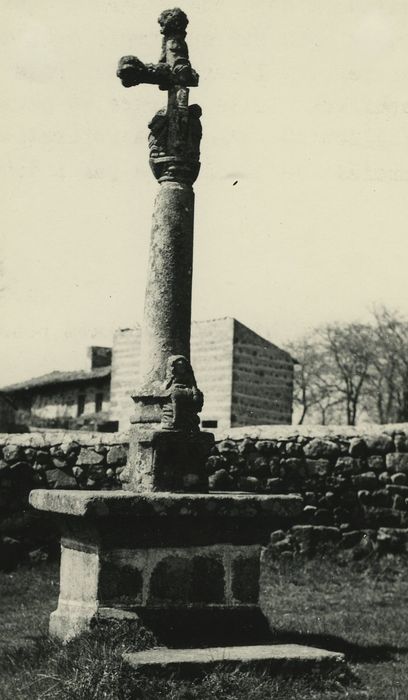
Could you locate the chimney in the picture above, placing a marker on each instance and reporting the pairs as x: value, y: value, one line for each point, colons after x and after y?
x: 99, y: 356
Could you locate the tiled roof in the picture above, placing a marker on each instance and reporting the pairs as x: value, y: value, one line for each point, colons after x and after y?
x: 58, y: 378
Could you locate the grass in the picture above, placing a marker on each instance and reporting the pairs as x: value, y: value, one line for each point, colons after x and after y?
x: 359, y: 608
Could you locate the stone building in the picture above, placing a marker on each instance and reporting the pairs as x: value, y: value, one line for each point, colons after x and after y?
x: 7, y: 414
x: 69, y: 400
x: 246, y: 380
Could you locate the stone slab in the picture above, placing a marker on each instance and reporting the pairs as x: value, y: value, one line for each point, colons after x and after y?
x: 104, y: 504
x: 274, y: 657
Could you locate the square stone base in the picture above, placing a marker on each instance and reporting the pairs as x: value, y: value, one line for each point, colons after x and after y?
x: 132, y: 553
x: 166, y: 460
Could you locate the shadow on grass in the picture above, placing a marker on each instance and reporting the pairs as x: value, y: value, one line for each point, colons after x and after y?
x: 232, y: 628
x: 355, y: 653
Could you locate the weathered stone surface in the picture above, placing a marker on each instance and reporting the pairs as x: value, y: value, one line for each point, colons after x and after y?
x: 280, y: 658
x: 321, y: 448
x: 13, y: 453
x: 59, y: 479
x: 181, y: 580
x: 249, y: 483
x: 401, y: 442
x: 318, y: 467
x: 399, y: 478
x: 220, y: 481
x: 245, y: 578
x: 347, y: 465
x: 397, y: 462
x: 275, y: 485
x: 308, y: 537
x: 293, y: 468
x: 357, y: 447
x: 376, y: 463
x: 397, y: 488
x: 277, y: 536
x: 381, y: 497
x: 258, y: 467
x: 87, y: 457
x: 101, y: 504
x: 367, y: 480
x: 379, y: 444
x: 398, y: 502
x: 293, y: 449
x: 116, y: 456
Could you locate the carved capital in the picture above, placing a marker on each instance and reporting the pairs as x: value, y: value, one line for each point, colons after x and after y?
x: 175, y: 145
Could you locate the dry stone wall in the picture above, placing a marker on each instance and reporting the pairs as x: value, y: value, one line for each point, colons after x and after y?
x: 354, y: 482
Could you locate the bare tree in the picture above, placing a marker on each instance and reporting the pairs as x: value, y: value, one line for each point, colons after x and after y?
x: 312, y: 393
x: 350, y: 351
x: 387, y: 392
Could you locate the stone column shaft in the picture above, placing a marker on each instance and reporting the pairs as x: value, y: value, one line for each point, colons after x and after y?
x: 167, y: 311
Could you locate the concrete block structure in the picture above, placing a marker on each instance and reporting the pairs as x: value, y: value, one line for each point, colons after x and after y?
x: 246, y: 379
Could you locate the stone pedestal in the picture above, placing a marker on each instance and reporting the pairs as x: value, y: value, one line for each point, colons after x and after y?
x: 134, y: 553
x: 167, y: 461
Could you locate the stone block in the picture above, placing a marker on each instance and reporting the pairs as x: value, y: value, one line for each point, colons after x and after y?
x: 321, y: 448
x: 347, y: 466
x: 13, y: 453
x: 258, y: 466
x: 397, y: 488
x: 310, y: 537
x: 399, y: 479
x: 59, y: 479
x: 367, y: 481
x: 381, y: 498
x: 167, y: 460
x: 89, y: 457
x: 376, y: 463
x: 246, y: 446
x: 293, y: 449
x: 379, y: 444
x: 401, y: 442
x: 357, y: 447
x: 43, y: 457
x: 266, y: 447
x: 293, y: 469
x: 397, y: 462
x: 275, y: 485
x: 116, y: 456
x: 274, y: 466
x: 277, y: 536
x: 318, y: 467
x: 287, y: 658
x: 249, y: 483
x: 220, y: 481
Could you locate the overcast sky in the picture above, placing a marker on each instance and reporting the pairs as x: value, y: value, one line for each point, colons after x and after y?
x: 304, y: 103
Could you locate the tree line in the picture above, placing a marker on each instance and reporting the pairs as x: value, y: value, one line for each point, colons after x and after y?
x: 352, y: 371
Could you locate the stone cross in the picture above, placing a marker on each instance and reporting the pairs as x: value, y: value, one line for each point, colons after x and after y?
x: 168, y: 398
x: 175, y: 132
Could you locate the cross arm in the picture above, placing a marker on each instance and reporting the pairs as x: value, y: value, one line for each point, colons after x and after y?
x: 132, y: 71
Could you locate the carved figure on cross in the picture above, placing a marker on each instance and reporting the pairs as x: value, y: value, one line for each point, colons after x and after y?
x: 175, y: 132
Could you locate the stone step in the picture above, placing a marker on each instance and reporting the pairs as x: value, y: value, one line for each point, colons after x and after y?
x: 277, y: 658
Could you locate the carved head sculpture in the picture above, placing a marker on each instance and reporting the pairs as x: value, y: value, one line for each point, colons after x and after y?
x: 179, y: 371
x: 173, y: 22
